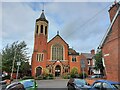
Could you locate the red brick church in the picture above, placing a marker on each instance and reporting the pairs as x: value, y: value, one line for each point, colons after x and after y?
x: 55, y: 55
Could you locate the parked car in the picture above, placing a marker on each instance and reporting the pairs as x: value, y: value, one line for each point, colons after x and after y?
x: 29, y: 84
x: 97, y: 76
x: 4, y: 80
x: 15, y: 86
x: 105, y: 85
x: 77, y: 84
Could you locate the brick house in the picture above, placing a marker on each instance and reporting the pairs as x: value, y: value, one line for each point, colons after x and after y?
x: 91, y: 62
x: 110, y: 45
x: 55, y: 55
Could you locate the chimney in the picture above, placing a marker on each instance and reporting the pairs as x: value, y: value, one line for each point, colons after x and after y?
x: 113, y: 9
x: 93, y: 52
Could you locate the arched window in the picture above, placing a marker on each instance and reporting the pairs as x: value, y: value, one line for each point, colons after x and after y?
x: 41, y: 28
x: 57, y: 52
x: 37, y: 29
x: 45, y: 30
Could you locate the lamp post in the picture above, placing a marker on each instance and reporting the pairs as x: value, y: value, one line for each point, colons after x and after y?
x: 13, y: 64
x: 18, y: 64
x: 83, y: 66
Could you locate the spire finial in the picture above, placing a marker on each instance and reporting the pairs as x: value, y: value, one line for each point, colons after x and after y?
x: 43, y: 7
x: 57, y: 32
x: 115, y: 1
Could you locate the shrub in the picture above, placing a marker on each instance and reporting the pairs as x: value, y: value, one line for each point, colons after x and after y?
x: 39, y: 77
x: 73, y: 72
x: 45, y: 76
x: 6, y: 77
x: 27, y: 77
x: 66, y: 76
x: 81, y: 75
x: 50, y: 76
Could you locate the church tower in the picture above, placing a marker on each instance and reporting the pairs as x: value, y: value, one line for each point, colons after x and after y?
x: 39, y: 56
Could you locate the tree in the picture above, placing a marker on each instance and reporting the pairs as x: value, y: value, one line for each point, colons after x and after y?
x: 16, y: 51
x: 74, y: 72
x: 25, y: 69
x: 98, y: 62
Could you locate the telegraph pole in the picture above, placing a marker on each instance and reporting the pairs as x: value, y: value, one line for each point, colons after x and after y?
x: 13, y: 64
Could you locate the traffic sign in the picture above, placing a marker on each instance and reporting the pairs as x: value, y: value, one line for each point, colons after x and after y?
x: 82, y: 63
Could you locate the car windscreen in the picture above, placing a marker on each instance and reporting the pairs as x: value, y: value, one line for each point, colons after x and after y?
x: 117, y: 86
x: 28, y: 84
x: 79, y: 82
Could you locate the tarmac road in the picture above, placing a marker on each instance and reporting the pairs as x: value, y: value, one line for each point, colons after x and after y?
x: 56, y: 83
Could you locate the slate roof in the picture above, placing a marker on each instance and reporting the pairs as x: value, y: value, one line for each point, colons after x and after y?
x: 87, y: 55
x: 42, y: 17
x: 71, y: 51
x: 59, y: 37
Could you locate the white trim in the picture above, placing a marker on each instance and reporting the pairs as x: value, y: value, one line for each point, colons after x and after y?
x: 106, y: 55
x: 108, y: 30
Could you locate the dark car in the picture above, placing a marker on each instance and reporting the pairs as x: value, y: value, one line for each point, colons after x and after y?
x: 77, y: 84
x: 15, y: 86
x: 4, y: 81
x: 29, y: 84
x: 105, y: 85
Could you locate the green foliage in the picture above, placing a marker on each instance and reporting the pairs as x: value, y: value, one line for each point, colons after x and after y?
x: 98, y: 62
x: 66, y: 76
x: 48, y: 76
x: 16, y: 51
x: 73, y: 72
x: 6, y: 77
x: 25, y: 68
x: 39, y: 77
x: 45, y: 73
x: 81, y: 75
x: 27, y: 77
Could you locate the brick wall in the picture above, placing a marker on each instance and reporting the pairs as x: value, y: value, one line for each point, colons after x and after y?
x: 111, y: 48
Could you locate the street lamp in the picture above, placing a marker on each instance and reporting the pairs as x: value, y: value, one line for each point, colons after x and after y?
x: 13, y: 64
x: 82, y: 62
x: 18, y: 64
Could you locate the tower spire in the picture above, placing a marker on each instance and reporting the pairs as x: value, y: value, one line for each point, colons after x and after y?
x: 57, y: 32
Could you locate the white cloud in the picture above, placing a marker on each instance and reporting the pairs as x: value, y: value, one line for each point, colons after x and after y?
x: 18, y: 23
x: 57, y: 0
x: 71, y: 19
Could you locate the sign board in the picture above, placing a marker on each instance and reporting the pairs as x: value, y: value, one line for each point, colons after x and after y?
x: 82, y: 63
x: 106, y: 55
x: 18, y: 63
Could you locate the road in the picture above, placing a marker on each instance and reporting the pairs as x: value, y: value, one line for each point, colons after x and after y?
x: 56, y: 83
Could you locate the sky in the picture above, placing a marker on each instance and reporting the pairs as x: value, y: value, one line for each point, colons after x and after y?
x: 81, y: 24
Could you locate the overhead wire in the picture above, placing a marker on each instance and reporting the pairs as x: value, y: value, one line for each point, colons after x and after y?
x: 90, y: 19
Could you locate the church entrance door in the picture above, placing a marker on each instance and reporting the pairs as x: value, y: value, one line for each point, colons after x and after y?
x: 38, y: 71
x: 57, y: 70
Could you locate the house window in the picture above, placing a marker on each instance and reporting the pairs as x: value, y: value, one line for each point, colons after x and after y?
x: 74, y: 59
x: 40, y: 57
x: 45, y: 30
x: 66, y: 70
x: 37, y: 29
x: 57, y: 52
x: 88, y: 62
x: 41, y: 28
